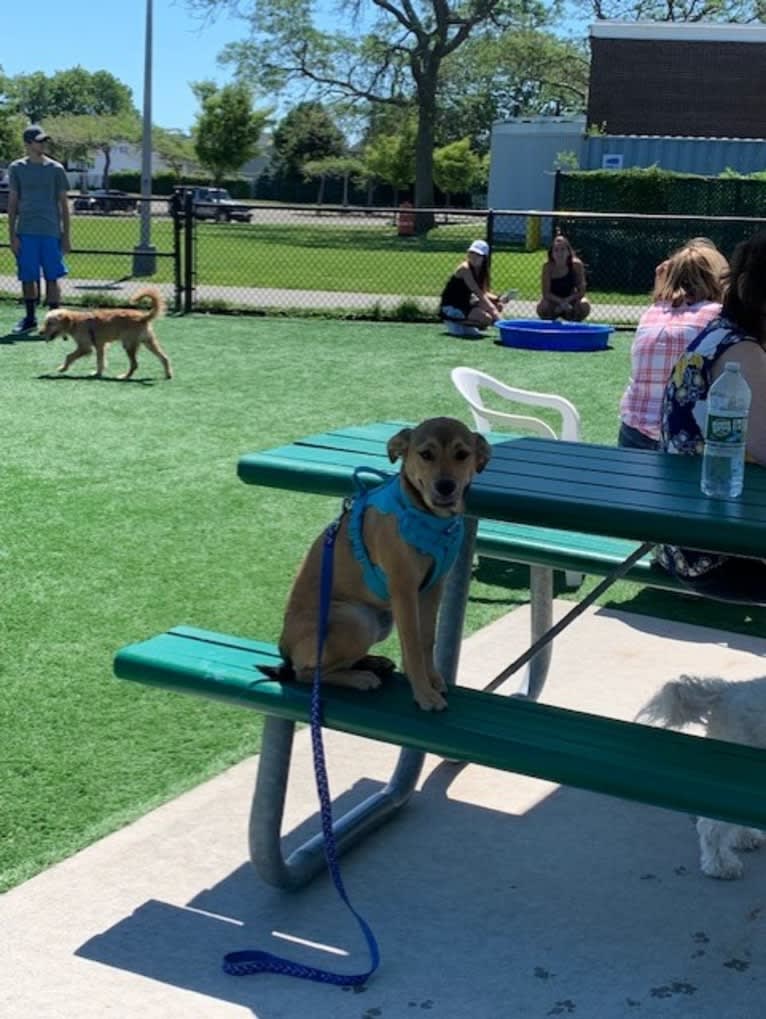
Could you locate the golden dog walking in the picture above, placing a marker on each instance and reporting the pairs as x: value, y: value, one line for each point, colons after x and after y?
x: 95, y: 330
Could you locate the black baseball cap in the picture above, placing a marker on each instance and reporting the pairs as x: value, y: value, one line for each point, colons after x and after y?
x: 34, y: 133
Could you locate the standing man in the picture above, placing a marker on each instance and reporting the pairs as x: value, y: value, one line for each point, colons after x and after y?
x: 38, y: 223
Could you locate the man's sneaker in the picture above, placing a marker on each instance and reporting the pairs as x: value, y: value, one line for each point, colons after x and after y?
x: 25, y: 325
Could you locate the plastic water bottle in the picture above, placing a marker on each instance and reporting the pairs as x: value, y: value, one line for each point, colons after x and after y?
x: 723, y: 462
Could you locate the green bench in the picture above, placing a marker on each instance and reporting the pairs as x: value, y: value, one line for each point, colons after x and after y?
x: 649, y: 765
x: 568, y: 551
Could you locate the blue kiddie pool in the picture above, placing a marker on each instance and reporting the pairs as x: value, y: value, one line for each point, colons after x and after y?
x: 535, y: 334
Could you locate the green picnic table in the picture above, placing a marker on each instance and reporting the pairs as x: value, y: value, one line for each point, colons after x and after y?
x: 626, y: 495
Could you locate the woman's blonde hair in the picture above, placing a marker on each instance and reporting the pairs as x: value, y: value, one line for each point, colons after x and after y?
x: 697, y: 272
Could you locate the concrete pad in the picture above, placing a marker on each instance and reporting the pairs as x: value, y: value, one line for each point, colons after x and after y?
x: 491, y: 895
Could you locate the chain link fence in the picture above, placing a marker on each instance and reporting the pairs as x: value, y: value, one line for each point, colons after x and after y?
x: 106, y: 231
x: 365, y: 262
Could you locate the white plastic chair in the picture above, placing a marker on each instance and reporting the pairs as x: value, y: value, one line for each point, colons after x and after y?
x: 469, y: 384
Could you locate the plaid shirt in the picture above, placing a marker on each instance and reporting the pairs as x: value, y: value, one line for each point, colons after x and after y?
x: 663, y: 334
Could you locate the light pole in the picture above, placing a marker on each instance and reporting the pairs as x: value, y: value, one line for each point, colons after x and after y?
x: 144, y: 254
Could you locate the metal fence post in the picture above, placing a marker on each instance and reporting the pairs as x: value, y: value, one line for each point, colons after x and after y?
x: 188, y: 283
x: 175, y: 208
x: 490, y: 227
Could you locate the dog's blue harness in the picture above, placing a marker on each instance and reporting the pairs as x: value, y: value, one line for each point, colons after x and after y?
x: 437, y: 537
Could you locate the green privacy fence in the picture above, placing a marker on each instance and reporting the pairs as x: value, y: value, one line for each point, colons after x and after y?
x: 623, y: 249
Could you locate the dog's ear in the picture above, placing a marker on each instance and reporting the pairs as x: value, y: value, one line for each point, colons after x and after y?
x: 482, y: 451
x: 399, y: 444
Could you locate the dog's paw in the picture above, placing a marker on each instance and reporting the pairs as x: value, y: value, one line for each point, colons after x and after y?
x: 430, y: 699
x: 725, y: 872
x: 379, y: 664
x: 724, y: 866
x: 436, y: 681
x: 356, y: 679
x: 749, y: 839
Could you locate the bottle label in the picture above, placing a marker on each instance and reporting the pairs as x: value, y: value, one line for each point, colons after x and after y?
x: 725, y: 429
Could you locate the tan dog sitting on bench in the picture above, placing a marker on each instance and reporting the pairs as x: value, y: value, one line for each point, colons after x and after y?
x: 392, y: 550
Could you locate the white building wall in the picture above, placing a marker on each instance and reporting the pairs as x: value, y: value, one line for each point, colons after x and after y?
x: 523, y: 156
x: 125, y: 156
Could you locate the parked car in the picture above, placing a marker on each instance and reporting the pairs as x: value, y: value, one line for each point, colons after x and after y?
x: 105, y: 200
x: 211, y: 203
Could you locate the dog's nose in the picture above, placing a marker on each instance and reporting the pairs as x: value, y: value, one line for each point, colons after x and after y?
x: 445, y: 486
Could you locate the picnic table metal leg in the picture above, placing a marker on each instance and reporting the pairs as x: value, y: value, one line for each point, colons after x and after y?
x: 449, y: 629
x: 267, y: 810
x: 541, y: 620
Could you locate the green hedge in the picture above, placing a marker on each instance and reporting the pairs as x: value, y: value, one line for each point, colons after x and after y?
x: 622, y: 254
x: 164, y: 182
x: 652, y: 190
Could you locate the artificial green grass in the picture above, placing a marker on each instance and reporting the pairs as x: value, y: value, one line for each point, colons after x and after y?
x: 122, y: 516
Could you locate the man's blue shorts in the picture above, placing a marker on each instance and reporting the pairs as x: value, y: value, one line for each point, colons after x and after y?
x: 36, y: 252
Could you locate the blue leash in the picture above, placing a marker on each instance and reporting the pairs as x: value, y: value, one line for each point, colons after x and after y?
x: 243, y: 963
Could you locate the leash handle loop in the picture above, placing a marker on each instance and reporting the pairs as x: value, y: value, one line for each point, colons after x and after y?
x: 249, y: 961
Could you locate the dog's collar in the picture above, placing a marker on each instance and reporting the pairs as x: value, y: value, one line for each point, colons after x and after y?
x: 437, y: 537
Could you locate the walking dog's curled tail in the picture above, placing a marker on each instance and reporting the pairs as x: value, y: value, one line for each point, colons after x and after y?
x: 156, y: 299
x: 684, y: 701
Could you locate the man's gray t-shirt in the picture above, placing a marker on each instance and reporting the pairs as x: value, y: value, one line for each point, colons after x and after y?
x: 38, y: 186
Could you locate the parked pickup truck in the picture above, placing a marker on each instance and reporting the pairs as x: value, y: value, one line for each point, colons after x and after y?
x: 211, y: 203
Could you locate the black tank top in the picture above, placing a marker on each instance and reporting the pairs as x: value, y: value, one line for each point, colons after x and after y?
x: 456, y: 294
x: 563, y: 286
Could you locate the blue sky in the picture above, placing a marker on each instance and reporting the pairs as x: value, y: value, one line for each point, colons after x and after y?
x: 52, y: 36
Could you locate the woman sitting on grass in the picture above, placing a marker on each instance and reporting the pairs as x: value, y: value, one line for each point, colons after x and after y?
x: 563, y: 284
x: 467, y: 304
x: 688, y: 287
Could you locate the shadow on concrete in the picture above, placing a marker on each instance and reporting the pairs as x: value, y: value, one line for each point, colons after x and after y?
x: 561, y: 902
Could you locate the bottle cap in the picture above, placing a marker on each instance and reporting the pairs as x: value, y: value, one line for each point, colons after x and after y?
x: 733, y: 366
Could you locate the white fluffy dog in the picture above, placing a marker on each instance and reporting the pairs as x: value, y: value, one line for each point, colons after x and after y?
x: 735, y: 712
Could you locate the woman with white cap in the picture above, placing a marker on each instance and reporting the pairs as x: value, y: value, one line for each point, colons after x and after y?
x: 467, y: 305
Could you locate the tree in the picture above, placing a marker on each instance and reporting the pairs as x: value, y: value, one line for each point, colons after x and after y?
x: 10, y: 133
x: 456, y: 167
x: 391, y: 158
x: 11, y: 125
x: 394, y: 59
x: 227, y: 129
x: 28, y: 94
x: 75, y: 92
x: 495, y: 77
x: 333, y: 166
x: 307, y: 132
x: 725, y: 11
x: 175, y: 148
x: 76, y: 137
